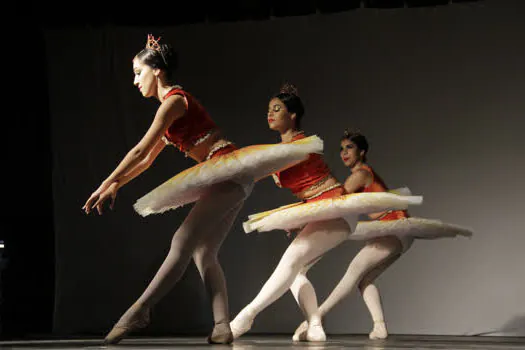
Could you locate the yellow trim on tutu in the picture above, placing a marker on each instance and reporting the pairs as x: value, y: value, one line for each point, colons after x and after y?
x: 346, y: 206
x: 403, y: 191
x: 245, y: 165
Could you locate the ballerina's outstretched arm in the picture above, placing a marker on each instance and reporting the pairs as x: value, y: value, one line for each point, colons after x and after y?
x: 171, y: 109
x: 111, y: 192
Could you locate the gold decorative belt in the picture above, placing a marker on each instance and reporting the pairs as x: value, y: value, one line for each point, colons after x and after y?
x: 323, y: 191
x: 218, y: 147
x: 195, y: 143
x: 317, y: 184
x: 384, y: 214
x: 204, y: 137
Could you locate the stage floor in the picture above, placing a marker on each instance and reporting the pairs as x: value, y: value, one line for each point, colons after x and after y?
x: 394, y: 342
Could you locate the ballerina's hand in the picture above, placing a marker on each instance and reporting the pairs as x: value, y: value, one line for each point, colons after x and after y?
x: 110, y: 193
x: 96, y: 196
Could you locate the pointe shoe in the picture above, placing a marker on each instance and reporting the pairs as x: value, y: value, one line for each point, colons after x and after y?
x: 379, y: 331
x: 140, y: 319
x: 300, y: 332
x: 241, y: 324
x: 221, y: 334
x: 315, y: 332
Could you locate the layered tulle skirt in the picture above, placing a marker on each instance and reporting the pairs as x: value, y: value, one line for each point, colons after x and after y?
x: 349, y: 207
x: 244, y: 166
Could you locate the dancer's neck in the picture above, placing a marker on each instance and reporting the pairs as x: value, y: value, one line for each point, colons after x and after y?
x: 289, y: 134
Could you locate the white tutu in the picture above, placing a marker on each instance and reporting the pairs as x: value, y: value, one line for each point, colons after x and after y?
x: 347, y: 207
x: 408, y: 229
x: 244, y: 166
x: 418, y: 228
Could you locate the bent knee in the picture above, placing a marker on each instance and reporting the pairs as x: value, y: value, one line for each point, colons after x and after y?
x: 293, y: 261
x: 181, y: 247
x: 300, y: 278
x: 363, y: 284
x: 204, y: 256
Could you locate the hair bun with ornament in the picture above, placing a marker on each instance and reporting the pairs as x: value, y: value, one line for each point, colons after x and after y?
x: 351, y: 132
x: 288, y: 88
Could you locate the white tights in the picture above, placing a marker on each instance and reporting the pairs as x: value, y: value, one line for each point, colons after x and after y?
x: 366, y: 266
x: 311, y: 243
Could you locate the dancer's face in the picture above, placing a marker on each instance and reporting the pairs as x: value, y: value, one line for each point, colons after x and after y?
x: 350, y: 154
x: 279, y: 119
x: 145, y: 78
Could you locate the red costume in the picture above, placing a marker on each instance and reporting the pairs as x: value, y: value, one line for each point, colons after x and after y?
x: 193, y: 127
x: 378, y: 185
x: 307, y: 175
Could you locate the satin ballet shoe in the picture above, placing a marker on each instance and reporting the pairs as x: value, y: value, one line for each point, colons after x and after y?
x: 241, y: 324
x: 221, y: 334
x: 140, y: 319
x: 379, y: 331
x: 300, y: 332
x: 315, y: 332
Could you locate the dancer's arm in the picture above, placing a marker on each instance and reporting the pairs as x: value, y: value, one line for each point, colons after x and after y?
x: 357, y: 181
x: 171, y: 109
x: 143, y: 165
x: 111, y: 191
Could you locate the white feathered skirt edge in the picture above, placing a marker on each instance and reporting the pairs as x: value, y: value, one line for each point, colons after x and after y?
x: 244, y: 166
x: 348, y: 207
x: 408, y: 229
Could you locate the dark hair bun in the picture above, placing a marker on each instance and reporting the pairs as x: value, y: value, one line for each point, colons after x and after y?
x: 351, y: 132
x: 169, y: 56
x: 288, y: 88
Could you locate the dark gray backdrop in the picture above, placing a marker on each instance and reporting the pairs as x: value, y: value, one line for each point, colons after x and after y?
x: 438, y: 91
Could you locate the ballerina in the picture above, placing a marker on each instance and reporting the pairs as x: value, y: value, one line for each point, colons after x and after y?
x: 219, y: 185
x: 389, y: 235
x: 312, y: 182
